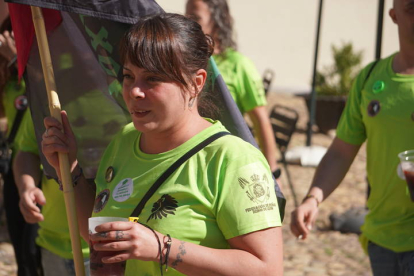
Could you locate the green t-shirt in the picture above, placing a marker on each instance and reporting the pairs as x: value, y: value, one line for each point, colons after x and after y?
x: 225, y: 190
x: 12, y: 91
x: 242, y: 79
x: 381, y: 112
x: 53, y: 233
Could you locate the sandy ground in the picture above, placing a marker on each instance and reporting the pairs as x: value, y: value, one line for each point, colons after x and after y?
x: 325, y: 252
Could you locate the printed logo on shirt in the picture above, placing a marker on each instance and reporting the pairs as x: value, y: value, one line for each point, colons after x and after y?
x: 258, y: 191
x: 164, y: 206
x: 123, y: 190
x: 256, y: 188
x: 101, y: 201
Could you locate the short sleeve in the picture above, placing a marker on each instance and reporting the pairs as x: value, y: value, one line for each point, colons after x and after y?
x: 351, y: 128
x: 251, y: 85
x: 26, y: 141
x: 247, y: 201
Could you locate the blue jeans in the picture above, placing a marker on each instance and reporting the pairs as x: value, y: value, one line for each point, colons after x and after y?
x: 385, y: 262
x: 54, y: 265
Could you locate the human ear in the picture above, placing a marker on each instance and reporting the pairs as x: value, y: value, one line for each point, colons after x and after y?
x: 200, y: 79
x: 393, y: 15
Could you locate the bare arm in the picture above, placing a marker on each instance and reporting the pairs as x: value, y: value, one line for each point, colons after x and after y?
x: 257, y: 253
x: 264, y: 132
x: 55, y: 141
x: 26, y: 170
x: 329, y: 174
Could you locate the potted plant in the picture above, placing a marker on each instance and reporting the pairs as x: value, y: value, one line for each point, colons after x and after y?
x: 333, y: 84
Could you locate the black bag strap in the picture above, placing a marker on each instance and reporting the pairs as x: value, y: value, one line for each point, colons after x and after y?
x: 17, y: 120
x: 172, y: 168
x: 370, y: 71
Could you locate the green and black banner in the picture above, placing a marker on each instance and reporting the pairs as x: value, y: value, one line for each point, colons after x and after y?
x: 83, y: 39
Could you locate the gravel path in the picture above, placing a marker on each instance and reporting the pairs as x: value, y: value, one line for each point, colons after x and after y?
x: 325, y: 252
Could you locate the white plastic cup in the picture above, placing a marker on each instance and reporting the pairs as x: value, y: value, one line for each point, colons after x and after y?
x: 97, y: 267
x: 407, y: 166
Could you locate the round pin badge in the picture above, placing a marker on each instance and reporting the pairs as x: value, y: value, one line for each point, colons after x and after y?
x: 378, y: 87
x: 20, y: 103
x: 110, y: 173
x: 101, y: 200
x: 374, y: 108
x: 123, y: 190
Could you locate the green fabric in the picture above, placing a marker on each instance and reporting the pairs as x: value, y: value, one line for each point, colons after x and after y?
x: 242, y: 79
x: 27, y: 140
x: 12, y: 90
x: 390, y: 221
x: 93, y: 138
x: 53, y: 233
x: 224, y: 191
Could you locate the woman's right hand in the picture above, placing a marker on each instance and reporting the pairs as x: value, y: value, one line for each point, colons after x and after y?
x: 59, y: 138
x: 303, y: 219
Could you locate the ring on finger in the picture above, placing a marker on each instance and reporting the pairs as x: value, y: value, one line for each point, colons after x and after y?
x: 103, y: 234
x: 47, y: 132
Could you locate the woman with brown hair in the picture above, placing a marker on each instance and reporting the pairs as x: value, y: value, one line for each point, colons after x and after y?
x: 216, y: 213
x: 239, y: 73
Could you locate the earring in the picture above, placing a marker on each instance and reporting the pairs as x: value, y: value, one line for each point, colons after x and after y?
x: 191, y: 102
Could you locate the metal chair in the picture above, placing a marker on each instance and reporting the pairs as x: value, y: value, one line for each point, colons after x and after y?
x: 283, y: 120
x: 268, y: 76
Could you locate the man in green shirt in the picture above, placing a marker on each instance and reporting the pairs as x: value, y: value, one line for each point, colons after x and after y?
x: 380, y: 111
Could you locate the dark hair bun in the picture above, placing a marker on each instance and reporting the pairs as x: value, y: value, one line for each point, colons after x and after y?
x: 210, y: 43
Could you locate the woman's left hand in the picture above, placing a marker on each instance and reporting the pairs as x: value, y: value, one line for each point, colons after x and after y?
x: 128, y: 240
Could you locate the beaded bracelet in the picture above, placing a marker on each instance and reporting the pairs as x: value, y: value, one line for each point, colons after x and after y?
x: 75, y: 179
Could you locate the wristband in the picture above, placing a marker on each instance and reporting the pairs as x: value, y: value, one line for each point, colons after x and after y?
x: 277, y: 173
x: 75, y: 179
x: 159, y: 245
x: 167, y: 254
x: 314, y: 197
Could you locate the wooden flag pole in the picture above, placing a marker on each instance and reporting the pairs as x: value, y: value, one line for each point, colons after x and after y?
x: 54, y: 107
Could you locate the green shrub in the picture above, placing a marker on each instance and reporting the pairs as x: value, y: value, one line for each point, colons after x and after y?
x: 337, y: 79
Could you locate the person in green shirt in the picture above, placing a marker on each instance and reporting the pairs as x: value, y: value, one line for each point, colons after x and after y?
x: 239, y: 73
x: 217, y: 213
x: 380, y: 111
x: 13, y: 102
x: 53, y: 234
